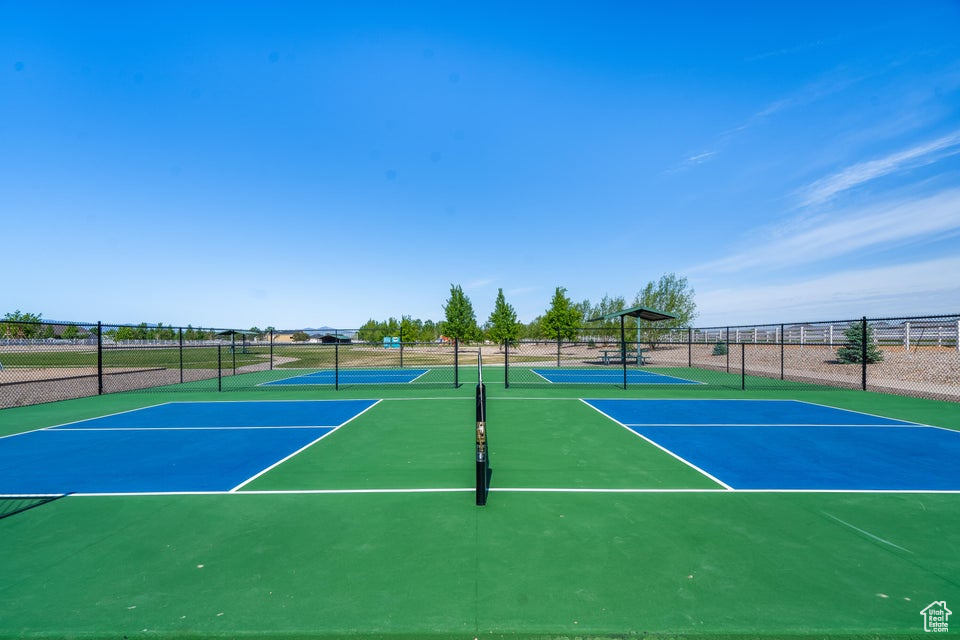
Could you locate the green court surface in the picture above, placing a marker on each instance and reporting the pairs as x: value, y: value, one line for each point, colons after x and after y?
x: 372, y: 532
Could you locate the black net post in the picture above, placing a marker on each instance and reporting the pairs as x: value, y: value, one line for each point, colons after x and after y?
x: 99, y: 358
x: 483, y: 446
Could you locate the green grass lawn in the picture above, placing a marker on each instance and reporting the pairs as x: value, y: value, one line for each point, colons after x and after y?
x: 127, y: 357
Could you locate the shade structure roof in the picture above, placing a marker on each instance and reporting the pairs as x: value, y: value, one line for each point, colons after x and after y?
x: 642, y: 313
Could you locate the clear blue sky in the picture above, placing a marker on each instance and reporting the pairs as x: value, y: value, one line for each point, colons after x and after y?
x: 320, y: 163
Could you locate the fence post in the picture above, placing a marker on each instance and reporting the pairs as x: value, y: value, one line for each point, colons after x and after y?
x: 336, y: 365
x: 689, y: 347
x: 271, y: 349
x: 863, y: 352
x: 906, y: 336
x: 99, y: 358
x: 506, y: 364
x: 559, y: 336
x: 219, y: 368
x: 181, y: 355
x: 726, y: 338
x: 233, y: 350
x: 401, y: 342
x: 456, y: 363
x: 623, y: 352
x: 957, y: 339
x: 783, y: 338
x: 743, y: 366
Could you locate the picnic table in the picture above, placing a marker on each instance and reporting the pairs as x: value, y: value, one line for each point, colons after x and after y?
x: 614, y: 355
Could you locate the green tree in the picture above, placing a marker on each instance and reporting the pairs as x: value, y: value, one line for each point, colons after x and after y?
x: 165, y: 333
x: 460, y: 320
x: 503, y: 324
x: 852, y: 351
x: 671, y: 294
x: 429, y: 331
x: 409, y: 329
x: 142, y: 332
x: 20, y: 325
x: 300, y: 336
x: 563, y: 319
x: 368, y: 332
x: 71, y: 332
x: 533, y: 330
x: 608, y: 330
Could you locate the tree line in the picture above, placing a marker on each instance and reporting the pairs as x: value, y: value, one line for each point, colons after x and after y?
x: 563, y: 318
x: 21, y: 325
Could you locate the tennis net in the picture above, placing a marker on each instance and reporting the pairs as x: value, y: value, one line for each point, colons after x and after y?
x: 482, y: 441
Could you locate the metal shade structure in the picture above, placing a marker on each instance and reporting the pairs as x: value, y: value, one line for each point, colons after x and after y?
x: 641, y: 313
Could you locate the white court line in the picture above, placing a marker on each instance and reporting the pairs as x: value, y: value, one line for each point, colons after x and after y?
x: 664, y: 449
x: 537, y: 373
x: 253, y: 428
x: 909, y: 425
x: 874, y: 415
x: 302, y: 449
x: 534, y: 490
x: 425, y: 372
x: 118, y: 413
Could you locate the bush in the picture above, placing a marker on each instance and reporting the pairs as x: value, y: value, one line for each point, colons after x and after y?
x: 720, y: 349
x: 852, y: 352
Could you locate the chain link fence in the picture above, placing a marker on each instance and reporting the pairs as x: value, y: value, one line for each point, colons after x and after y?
x: 50, y: 361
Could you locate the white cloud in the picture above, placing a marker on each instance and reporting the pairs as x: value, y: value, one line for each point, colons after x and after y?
x: 921, y: 287
x: 692, y: 161
x: 821, y: 239
x: 479, y: 284
x: 919, y: 155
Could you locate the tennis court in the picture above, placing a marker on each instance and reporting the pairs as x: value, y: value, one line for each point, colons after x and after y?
x: 304, y: 512
x: 354, y: 376
x: 179, y: 446
x: 608, y: 376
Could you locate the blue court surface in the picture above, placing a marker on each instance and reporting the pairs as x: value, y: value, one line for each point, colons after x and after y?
x: 180, y: 446
x: 612, y: 376
x: 792, y: 445
x: 354, y: 376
